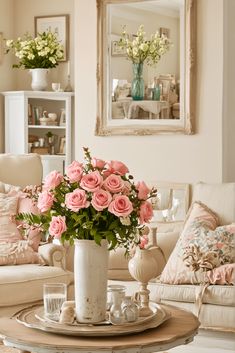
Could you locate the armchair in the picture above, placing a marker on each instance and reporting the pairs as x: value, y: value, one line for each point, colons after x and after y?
x: 21, y: 285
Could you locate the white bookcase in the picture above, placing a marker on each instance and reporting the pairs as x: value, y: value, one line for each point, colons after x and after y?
x: 23, y: 110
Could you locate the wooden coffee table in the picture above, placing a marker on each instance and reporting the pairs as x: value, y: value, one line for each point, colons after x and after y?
x: 179, y: 329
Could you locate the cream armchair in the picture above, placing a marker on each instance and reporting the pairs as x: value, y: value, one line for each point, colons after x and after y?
x: 21, y: 285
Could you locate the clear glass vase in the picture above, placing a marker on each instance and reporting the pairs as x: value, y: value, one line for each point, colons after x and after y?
x: 137, y: 86
x: 116, y: 315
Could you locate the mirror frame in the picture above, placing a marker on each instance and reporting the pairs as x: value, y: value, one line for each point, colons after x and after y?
x: 102, y: 126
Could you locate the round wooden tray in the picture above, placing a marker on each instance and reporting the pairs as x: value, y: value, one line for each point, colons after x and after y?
x: 30, y: 318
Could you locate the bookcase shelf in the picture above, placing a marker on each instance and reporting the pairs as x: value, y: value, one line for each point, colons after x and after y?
x: 21, y: 136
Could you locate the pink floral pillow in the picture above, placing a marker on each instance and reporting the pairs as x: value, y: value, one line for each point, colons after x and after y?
x: 224, y: 274
x: 8, y: 229
x: 19, y: 253
x: 26, y: 205
x: 201, y: 247
x: 13, y: 201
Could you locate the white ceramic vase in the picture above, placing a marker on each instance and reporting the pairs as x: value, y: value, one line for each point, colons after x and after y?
x: 90, y: 277
x: 39, y: 79
x: 142, y: 268
x: 143, y: 265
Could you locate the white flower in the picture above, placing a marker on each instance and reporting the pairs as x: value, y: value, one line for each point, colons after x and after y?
x: 44, y: 51
x: 141, y: 49
x: 125, y: 221
x: 9, y: 42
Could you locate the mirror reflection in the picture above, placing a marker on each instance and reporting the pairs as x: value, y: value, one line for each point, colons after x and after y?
x: 142, y: 88
x: 145, y: 70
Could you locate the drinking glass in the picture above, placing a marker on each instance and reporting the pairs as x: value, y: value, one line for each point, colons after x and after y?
x: 54, y: 295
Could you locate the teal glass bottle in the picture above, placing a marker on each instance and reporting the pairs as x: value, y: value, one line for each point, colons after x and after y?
x: 156, y: 93
x: 137, y: 86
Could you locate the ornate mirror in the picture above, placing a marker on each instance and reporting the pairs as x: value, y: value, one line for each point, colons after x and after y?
x: 166, y: 104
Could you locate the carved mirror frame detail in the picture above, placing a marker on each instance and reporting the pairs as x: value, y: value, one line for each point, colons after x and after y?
x: 102, y: 127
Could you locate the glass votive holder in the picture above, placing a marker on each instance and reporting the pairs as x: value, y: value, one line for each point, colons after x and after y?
x: 116, y: 315
x: 54, y: 295
x: 130, y: 309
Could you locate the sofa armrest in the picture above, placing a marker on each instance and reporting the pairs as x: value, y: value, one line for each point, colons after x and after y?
x: 53, y: 254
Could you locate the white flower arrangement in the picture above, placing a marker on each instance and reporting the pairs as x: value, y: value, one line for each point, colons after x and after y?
x: 42, y: 52
x: 140, y: 48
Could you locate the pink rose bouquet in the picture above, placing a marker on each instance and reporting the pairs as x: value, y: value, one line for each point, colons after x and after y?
x: 94, y: 200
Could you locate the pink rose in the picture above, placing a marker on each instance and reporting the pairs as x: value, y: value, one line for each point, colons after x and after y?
x: 92, y: 181
x: 116, y: 167
x: 52, y: 180
x: 74, y: 171
x: 101, y: 199
x: 97, y: 163
x: 143, y: 190
x: 114, y: 183
x: 121, y: 206
x: 143, y: 241
x: 146, y: 212
x: 45, y: 201
x: 76, y: 200
x: 57, y: 226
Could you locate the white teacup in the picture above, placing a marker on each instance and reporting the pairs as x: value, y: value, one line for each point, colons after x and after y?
x: 55, y: 86
x: 52, y: 116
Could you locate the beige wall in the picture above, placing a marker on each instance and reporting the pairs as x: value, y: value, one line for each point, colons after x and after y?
x: 229, y: 92
x: 172, y: 157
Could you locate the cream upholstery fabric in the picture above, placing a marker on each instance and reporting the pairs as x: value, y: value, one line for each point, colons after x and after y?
x: 216, y: 317
x: 21, y: 285
x: 214, y: 294
x: 219, y: 197
x: 24, y: 283
x: 21, y: 170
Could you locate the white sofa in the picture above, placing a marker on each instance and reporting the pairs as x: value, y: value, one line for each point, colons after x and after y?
x: 217, y: 307
x: 21, y: 285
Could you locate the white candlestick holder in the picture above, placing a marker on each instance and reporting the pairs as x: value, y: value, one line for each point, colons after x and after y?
x: 68, y: 87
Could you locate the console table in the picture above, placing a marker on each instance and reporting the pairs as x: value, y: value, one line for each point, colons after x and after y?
x: 179, y: 329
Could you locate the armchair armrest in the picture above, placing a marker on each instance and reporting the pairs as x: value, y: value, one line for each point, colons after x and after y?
x: 53, y: 254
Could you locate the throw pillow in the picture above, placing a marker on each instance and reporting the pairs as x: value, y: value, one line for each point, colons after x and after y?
x: 26, y: 205
x: 224, y: 274
x: 19, y: 253
x: 6, y: 188
x: 8, y: 229
x: 200, y: 247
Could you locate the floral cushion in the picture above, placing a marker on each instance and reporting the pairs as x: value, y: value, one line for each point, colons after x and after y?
x: 19, y: 253
x: 200, y: 248
x: 16, y: 201
x: 8, y: 229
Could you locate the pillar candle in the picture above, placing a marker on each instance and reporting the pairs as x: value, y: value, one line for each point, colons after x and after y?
x: 68, y: 68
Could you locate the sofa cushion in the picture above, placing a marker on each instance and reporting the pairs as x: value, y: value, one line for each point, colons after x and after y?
x: 26, y: 205
x: 176, y: 271
x: 224, y: 274
x: 27, y: 282
x: 219, y: 197
x: 19, y: 253
x: 6, y: 188
x: 213, y: 294
x: 21, y: 170
x: 8, y: 229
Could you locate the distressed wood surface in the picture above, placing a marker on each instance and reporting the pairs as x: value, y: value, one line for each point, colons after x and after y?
x: 179, y: 329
